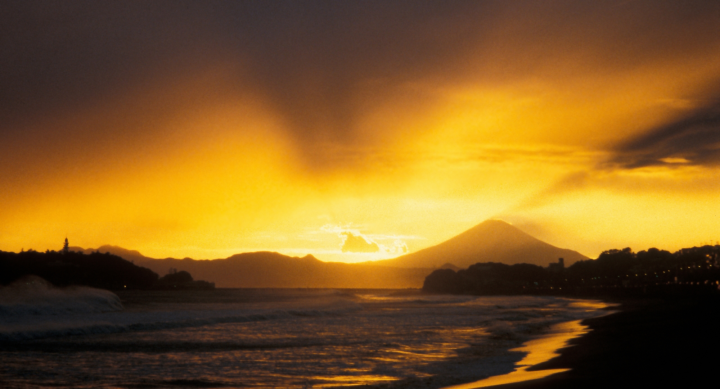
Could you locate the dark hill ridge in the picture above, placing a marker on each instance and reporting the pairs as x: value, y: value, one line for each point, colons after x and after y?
x: 273, y: 270
x: 615, y: 273
x: 128, y: 255
x: 489, y: 241
x: 97, y: 270
x: 94, y: 269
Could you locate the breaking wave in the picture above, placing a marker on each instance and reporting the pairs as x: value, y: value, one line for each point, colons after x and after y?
x: 97, y: 314
x: 33, y: 295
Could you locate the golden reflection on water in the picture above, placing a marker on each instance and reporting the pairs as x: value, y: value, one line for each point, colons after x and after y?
x: 349, y: 380
x: 591, y: 304
x: 539, y: 350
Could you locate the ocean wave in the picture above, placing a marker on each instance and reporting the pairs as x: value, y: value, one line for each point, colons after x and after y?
x: 33, y: 327
x: 152, y: 346
x: 284, y: 338
x: 417, y: 299
x: 33, y: 295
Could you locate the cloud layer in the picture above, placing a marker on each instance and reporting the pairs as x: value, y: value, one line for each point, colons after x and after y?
x: 167, y: 124
x: 324, y: 68
x: 693, y: 139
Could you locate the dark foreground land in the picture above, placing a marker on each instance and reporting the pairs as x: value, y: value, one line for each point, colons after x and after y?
x: 649, y: 343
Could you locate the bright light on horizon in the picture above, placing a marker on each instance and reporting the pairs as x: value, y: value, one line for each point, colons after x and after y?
x: 424, y: 133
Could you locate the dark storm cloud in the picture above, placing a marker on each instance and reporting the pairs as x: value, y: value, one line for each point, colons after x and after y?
x: 319, y: 61
x: 692, y: 139
x: 59, y: 56
x: 313, y: 59
x: 304, y: 55
x: 321, y: 65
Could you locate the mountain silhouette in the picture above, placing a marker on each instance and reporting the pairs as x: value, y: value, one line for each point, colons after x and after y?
x: 489, y: 241
x: 128, y: 255
x: 273, y: 270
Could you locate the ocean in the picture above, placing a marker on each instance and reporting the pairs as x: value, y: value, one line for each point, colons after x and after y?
x: 266, y: 338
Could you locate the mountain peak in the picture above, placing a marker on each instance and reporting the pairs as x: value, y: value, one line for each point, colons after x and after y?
x: 494, y: 222
x: 496, y: 227
x: 490, y: 241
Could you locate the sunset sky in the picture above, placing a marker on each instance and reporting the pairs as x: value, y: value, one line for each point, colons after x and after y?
x: 357, y: 130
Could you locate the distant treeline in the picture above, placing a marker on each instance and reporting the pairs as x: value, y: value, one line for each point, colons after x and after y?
x: 97, y: 270
x: 615, y: 272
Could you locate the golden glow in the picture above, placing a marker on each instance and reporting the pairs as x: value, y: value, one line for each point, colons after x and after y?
x: 194, y: 165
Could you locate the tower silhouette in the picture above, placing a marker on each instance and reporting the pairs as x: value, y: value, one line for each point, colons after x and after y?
x: 66, y: 247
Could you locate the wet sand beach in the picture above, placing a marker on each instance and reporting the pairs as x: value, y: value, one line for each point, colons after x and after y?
x: 653, y: 342
x: 537, y: 351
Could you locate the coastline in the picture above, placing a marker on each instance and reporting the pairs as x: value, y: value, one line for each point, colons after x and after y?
x: 645, y: 343
x: 539, y: 350
x: 511, y: 363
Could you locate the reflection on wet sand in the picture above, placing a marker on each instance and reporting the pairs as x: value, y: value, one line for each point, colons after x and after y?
x: 539, y: 350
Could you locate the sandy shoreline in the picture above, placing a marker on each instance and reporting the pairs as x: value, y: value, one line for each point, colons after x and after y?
x: 511, y: 362
x: 539, y: 350
x: 647, y: 343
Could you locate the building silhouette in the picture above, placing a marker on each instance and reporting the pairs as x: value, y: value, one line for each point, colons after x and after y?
x: 557, y: 267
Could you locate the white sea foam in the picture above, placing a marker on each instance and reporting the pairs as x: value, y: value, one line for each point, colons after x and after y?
x: 32, y: 295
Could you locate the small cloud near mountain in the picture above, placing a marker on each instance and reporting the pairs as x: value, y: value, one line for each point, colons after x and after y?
x: 353, y: 241
x: 357, y: 244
